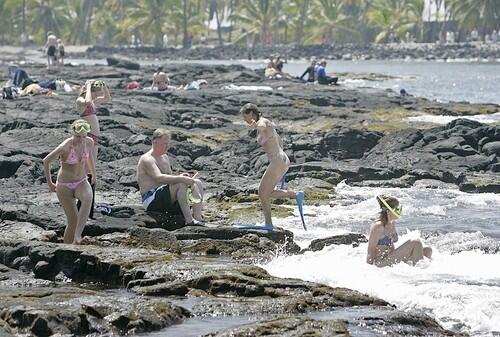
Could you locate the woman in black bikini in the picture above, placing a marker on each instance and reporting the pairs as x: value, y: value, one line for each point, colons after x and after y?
x: 381, y: 251
x: 76, y: 161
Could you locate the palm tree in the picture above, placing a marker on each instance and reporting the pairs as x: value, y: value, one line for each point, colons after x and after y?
x: 257, y: 17
x: 147, y: 17
x: 483, y: 14
x: 392, y: 17
x: 332, y: 23
x: 48, y: 15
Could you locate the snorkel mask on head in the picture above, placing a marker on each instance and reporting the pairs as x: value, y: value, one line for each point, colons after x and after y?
x: 98, y: 85
x: 396, y: 211
x: 81, y: 128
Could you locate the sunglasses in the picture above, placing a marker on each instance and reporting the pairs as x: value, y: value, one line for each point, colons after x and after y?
x: 79, y: 128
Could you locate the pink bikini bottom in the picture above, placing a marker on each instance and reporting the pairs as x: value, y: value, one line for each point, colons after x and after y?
x: 71, y: 186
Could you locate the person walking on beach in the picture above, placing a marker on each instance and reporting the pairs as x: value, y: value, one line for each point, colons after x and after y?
x: 278, y: 161
x: 323, y: 78
x: 50, y: 47
x: 75, y: 154
x: 164, y: 192
x: 160, y: 80
x: 60, y: 52
x: 92, y: 94
x: 381, y: 251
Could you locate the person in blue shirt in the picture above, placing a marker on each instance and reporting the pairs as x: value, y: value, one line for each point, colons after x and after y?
x: 321, y: 75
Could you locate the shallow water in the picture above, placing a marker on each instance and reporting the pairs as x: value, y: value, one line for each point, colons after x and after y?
x: 460, y: 287
x: 475, y: 82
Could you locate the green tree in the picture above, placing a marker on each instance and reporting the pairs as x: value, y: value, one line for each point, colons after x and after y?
x: 47, y: 15
x: 392, y: 17
x: 481, y: 14
x: 332, y: 22
x: 256, y: 17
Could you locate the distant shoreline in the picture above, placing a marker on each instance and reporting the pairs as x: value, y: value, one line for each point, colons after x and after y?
x: 403, y: 51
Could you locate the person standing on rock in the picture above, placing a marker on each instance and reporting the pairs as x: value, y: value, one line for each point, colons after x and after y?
x: 163, y: 191
x: 160, y: 80
x: 381, y: 251
x: 76, y: 158
x: 50, y: 46
x: 92, y: 94
x: 60, y: 52
x: 278, y: 162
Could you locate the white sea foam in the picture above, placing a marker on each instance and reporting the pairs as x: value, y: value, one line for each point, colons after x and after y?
x: 460, y: 290
x: 460, y: 286
x: 445, y: 119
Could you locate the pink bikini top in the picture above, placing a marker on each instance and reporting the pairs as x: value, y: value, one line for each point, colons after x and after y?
x: 73, y: 157
x: 262, y: 139
x: 89, y: 110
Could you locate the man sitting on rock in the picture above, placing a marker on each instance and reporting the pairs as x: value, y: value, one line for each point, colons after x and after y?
x: 322, y: 77
x: 164, y: 192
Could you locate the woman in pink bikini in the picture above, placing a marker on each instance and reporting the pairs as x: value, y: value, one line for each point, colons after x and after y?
x: 76, y: 161
x: 278, y: 162
x: 92, y: 94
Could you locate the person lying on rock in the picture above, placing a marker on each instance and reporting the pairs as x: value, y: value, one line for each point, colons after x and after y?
x: 161, y: 81
x: 75, y: 154
x: 381, y: 251
x: 163, y: 191
x: 278, y: 160
x: 92, y: 94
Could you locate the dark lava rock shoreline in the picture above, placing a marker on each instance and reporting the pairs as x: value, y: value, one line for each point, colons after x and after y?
x: 330, y: 133
x: 416, y: 51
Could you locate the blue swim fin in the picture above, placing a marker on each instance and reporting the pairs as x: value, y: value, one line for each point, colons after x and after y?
x: 254, y: 226
x: 300, y: 204
x: 281, y: 184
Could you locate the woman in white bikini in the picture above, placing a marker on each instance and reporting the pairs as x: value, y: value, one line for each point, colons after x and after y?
x: 278, y: 161
x: 75, y: 154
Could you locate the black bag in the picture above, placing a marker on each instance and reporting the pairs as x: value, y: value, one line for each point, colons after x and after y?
x: 7, y: 93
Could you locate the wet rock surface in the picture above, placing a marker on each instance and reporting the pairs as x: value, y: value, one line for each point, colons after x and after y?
x: 133, y: 264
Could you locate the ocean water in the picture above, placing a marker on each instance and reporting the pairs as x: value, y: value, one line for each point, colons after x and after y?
x: 460, y: 286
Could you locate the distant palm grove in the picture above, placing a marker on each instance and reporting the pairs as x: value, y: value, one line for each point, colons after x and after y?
x: 248, y: 22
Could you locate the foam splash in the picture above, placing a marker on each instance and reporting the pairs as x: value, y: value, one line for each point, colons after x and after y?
x: 459, y: 290
x: 460, y: 286
x: 445, y: 119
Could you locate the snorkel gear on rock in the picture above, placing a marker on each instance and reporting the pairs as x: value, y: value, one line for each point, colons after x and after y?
x: 396, y: 211
x: 191, y: 200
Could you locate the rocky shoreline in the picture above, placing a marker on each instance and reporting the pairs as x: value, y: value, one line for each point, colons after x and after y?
x: 415, y: 51
x: 141, y: 272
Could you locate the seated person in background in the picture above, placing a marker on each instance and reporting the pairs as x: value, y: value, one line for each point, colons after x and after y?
x: 310, y: 71
x: 160, y: 80
x: 270, y: 71
x: 278, y: 63
x: 163, y: 191
x: 321, y: 74
x: 381, y: 251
